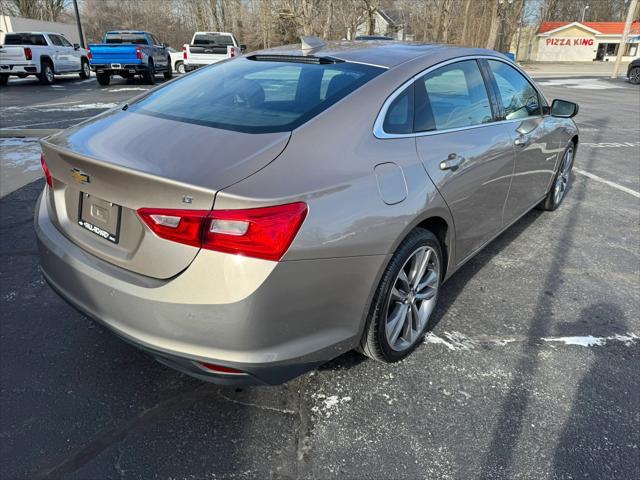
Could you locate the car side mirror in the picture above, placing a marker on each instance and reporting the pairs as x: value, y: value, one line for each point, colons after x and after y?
x: 564, y: 109
x: 76, y: 46
x: 243, y: 47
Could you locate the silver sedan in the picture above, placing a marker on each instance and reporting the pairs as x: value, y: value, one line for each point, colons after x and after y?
x: 256, y: 218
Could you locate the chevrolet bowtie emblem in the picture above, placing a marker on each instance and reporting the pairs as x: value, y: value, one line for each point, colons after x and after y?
x: 80, y: 176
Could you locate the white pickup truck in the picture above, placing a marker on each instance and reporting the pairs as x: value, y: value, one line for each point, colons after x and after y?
x: 210, y: 47
x: 43, y: 54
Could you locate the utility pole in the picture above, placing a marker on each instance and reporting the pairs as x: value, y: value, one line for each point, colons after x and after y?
x: 75, y: 8
x: 633, y: 7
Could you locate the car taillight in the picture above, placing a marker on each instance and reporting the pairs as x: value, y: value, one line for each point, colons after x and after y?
x: 27, y: 53
x: 89, y: 56
x: 45, y: 169
x: 232, y: 52
x: 138, y: 53
x: 184, y: 53
x: 265, y: 232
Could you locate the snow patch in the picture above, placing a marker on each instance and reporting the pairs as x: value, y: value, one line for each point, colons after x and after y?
x: 453, y: 340
x: 328, y: 404
x: 128, y: 89
x: 585, y: 341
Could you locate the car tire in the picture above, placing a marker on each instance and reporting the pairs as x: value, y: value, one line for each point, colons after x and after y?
x: 149, y: 76
x: 85, y: 71
x: 104, y: 79
x: 560, y: 183
x: 4, y: 79
x: 180, y: 67
x: 168, y: 73
x: 407, y: 293
x: 634, y: 75
x: 46, y: 75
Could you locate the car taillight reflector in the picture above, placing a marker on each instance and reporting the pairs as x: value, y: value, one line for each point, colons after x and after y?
x: 265, y: 232
x: 28, y: 54
x: 47, y: 172
x: 184, y: 53
x: 220, y: 369
x: 138, y: 53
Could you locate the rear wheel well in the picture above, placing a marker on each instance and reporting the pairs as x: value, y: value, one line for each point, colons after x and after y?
x: 575, y: 141
x: 45, y: 59
x: 440, y: 228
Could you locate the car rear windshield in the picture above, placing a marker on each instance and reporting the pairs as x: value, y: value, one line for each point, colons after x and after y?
x: 255, y: 96
x: 137, y: 38
x: 24, y: 39
x: 212, y: 39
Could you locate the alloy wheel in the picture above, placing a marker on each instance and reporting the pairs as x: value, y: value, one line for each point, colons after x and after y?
x: 412, y: 299
x: 562, y: 181
x: 49, y: 74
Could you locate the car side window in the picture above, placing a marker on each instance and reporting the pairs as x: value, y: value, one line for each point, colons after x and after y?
x: 55, y: 40
x: 452, y: 96
x: 64, y: 41
x: 519, y: 98
x: 399, y: 116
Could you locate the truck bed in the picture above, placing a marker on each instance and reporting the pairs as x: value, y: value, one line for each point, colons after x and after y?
x: 108, y: 53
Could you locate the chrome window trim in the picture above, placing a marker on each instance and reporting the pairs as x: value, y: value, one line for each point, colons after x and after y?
x: 378, y: 130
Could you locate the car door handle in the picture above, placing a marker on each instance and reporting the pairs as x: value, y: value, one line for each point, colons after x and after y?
x: 521, y: 141
x: 452, y: 162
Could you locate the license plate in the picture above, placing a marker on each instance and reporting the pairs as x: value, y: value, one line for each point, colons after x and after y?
x: 100, y: 217
x: 117, y: 66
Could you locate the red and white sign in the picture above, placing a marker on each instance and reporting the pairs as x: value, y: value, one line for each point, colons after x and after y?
x: 569, y: 42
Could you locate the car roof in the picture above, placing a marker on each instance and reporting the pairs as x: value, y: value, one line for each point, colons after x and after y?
x: 34, y: 33
x: 136, y: 32
x: 382, y: 53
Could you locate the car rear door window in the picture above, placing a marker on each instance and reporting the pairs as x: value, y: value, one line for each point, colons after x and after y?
x: 519, y: 98
x: 256, y: 96
x: 453, y: 96
x: 399, y: 116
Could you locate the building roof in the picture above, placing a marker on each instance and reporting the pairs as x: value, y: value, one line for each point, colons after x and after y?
x: 603, y: 28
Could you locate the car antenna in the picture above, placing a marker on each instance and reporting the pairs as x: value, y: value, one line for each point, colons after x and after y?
x: 311, y: 44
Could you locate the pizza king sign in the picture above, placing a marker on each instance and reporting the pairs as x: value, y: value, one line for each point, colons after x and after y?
x: 570, y: 42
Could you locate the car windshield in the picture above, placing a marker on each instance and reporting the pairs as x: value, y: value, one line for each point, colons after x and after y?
x: 255, y: 96
x: 24, y: 39
x: 137, y: 38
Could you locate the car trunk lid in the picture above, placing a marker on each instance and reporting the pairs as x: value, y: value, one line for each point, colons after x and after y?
x: 106, y: 169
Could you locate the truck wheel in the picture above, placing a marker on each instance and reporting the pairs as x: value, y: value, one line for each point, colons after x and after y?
x: 168, y: 73
x: 149, y: 76
x: 103, y: 79
x: 4, y: 79
x: 180, y: 67
x: 85, y: 71
x: 46, y: 75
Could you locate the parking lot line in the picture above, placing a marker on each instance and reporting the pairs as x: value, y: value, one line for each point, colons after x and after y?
x: 607, y: 182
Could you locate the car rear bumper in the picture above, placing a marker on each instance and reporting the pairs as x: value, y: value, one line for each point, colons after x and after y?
x: 118, y: 68
x: 271, y: 320
x: 15, y: 69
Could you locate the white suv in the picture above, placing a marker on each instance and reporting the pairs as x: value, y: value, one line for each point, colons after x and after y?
x: 42, y: 54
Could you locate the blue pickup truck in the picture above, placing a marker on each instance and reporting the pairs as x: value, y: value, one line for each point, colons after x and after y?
x: 130, y: 53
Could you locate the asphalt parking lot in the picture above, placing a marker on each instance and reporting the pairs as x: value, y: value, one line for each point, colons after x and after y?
x: 531, y: 370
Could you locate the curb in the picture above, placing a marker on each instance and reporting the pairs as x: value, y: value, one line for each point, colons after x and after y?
x: 28, y: 132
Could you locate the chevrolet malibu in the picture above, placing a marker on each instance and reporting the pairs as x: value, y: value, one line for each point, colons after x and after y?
x: 258, y: 217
